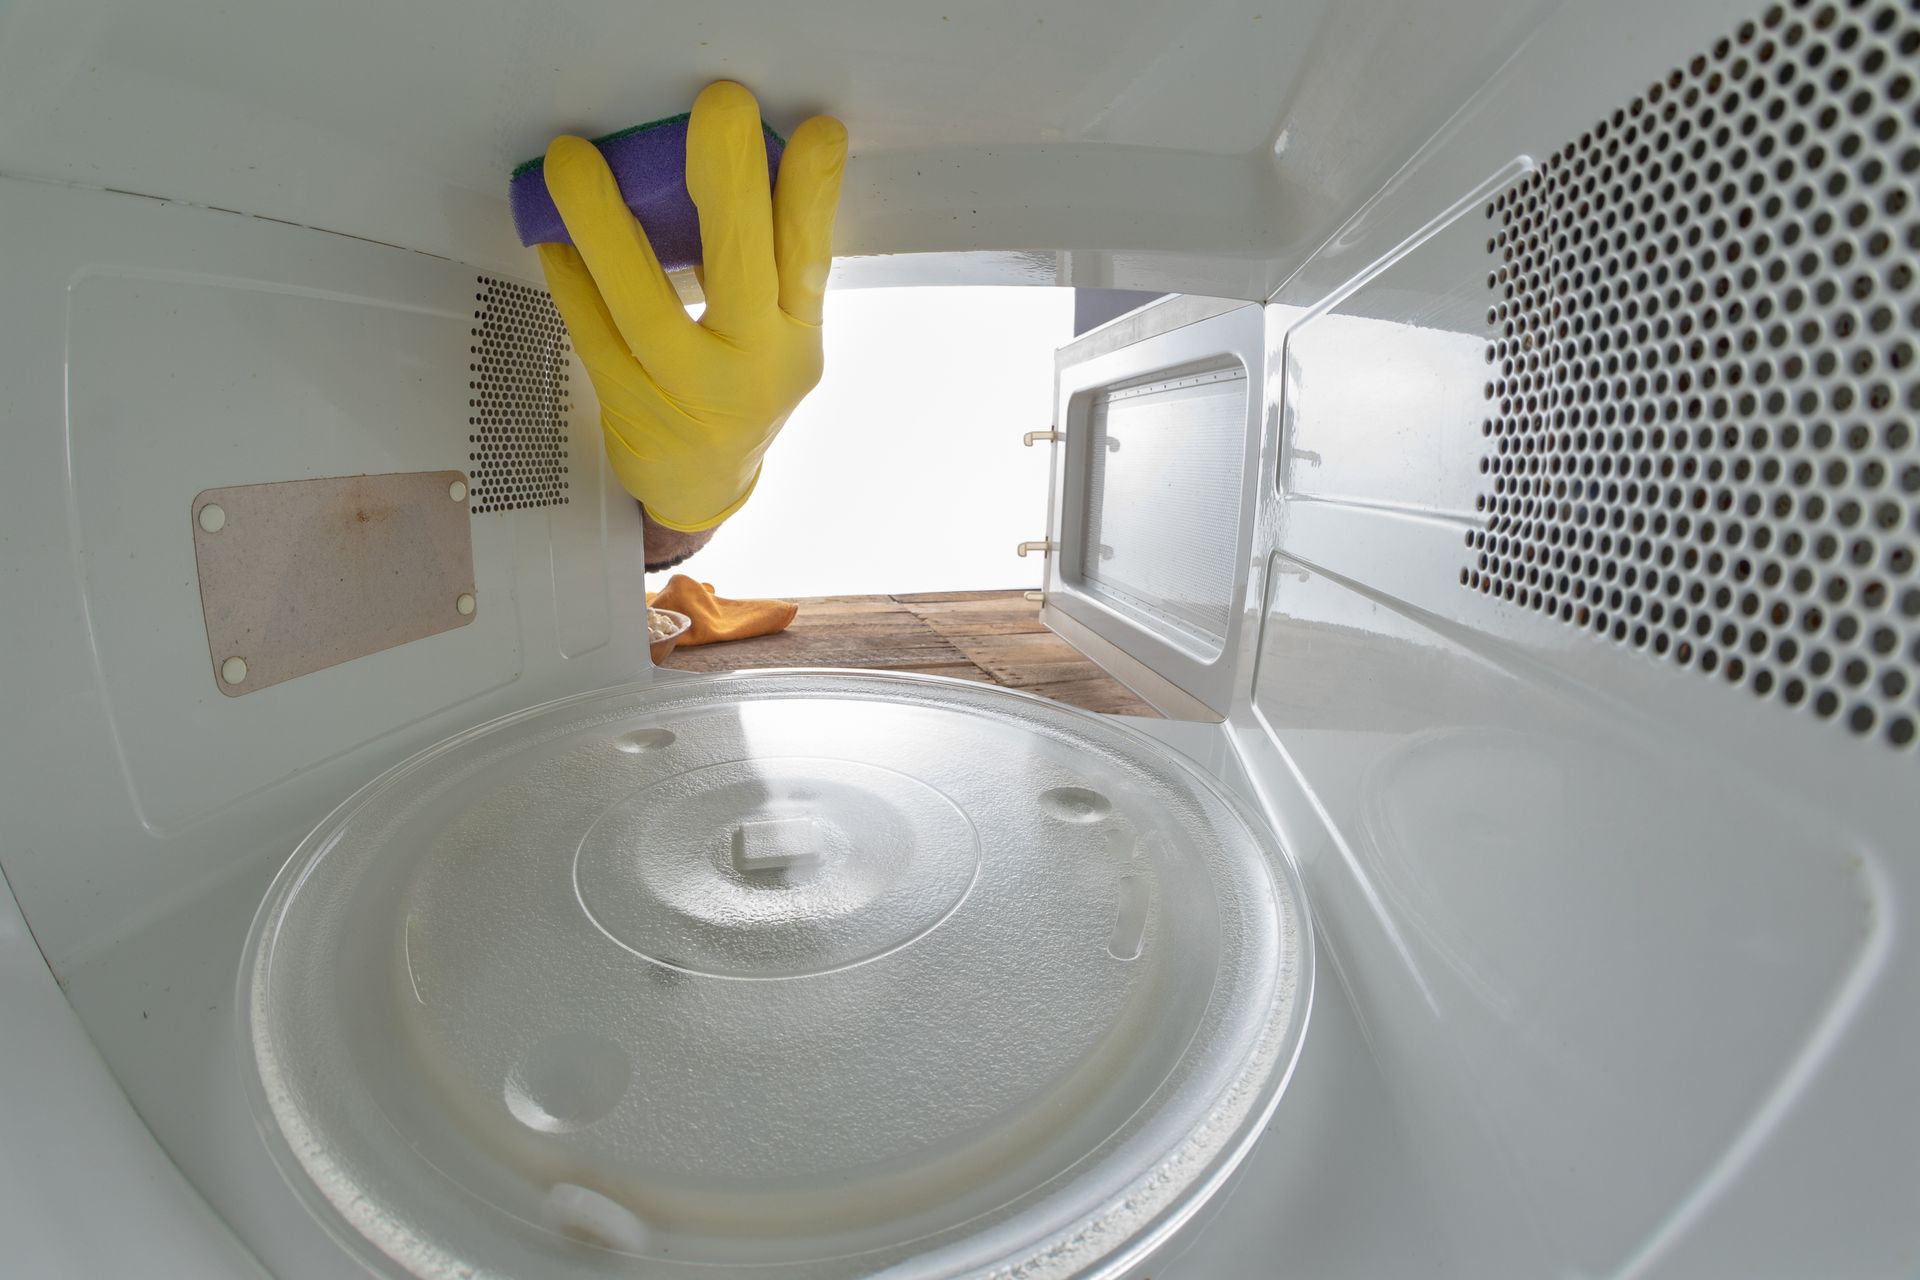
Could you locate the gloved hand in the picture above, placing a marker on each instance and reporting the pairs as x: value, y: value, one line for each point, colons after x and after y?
x: 689, y: 408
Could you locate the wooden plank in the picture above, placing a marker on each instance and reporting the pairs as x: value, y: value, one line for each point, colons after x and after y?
x: 1047, y: 665
x: 869, y: 623
x: 862, y: 631
x: 1017, y: 650
x: 841, y: 605
x: 1003, y: 613
x: 999, y: 602
x: 989, y: 624
x: 1036, y: 675
x: 986, y: 627
x: 827, y: 652
x: 955, y: 597
x: 990, y: 637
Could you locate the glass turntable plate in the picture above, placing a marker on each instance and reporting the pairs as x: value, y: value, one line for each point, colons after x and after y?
x: 808, y: 973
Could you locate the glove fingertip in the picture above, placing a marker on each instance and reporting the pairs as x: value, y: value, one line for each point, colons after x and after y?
x: 823, y: 139
x: 565, y: 151
x: 725, y: 97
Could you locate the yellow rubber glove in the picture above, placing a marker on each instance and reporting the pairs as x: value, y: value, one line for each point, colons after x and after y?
x: 689, y: 408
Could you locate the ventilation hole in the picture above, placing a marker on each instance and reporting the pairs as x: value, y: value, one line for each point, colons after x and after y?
x: 1702, y: 383
x: 518, y: 405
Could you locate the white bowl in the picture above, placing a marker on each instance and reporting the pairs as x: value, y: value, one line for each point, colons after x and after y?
x: 662, y: 647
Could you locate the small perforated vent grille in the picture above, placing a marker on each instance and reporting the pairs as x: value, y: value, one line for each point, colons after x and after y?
x: 1703, y: 391
x: 518, y: 411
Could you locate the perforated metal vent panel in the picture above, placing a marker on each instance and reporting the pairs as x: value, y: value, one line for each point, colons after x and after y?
x: 1702, y: 395
x: 518, y: 411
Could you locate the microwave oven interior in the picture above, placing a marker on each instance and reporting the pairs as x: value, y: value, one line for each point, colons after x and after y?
x: 1513, y: 504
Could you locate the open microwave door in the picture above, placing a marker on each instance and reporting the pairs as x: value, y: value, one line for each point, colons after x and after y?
x: 1156, y: 440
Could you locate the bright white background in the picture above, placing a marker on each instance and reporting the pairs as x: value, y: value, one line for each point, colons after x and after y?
x: 903, y: 470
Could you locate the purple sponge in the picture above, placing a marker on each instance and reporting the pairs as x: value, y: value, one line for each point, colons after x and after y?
x: 649, y: 161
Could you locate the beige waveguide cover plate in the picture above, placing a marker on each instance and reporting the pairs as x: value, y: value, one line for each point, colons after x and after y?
x: 306, y: 574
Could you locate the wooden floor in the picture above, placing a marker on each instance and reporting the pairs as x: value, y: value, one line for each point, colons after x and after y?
x: 991, y: 636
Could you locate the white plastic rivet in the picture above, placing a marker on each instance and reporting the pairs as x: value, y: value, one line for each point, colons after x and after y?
x: 778, y: 844
x: 464, y: 604
x: 233, y: 670
x: 457, y: 491
x: 592, y: 1218
x: 213, y: 517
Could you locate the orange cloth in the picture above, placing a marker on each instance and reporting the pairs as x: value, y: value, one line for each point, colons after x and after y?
x: 715, y: 618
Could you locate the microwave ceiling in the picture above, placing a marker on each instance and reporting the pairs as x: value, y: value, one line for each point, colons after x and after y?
x: 1094, y: 142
